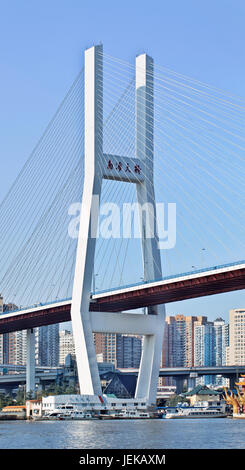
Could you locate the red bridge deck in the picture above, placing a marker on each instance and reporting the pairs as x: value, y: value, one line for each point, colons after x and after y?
x: 184, y: 287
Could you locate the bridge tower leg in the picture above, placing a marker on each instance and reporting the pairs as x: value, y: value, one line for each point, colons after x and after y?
x: 97, y: 167
x: 152, y: 344
x: 88, y: 373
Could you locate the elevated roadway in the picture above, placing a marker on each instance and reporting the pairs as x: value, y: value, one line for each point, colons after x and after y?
x: 204, y: 282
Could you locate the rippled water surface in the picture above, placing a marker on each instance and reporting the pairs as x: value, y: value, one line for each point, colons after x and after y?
x: 126, y: 434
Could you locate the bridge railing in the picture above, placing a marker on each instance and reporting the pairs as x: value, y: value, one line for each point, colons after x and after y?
x: 128, y: 286
x: 38, y: 304
x: 172, y: 276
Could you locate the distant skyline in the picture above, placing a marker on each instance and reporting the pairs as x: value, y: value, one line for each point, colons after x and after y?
x: 41, y: 52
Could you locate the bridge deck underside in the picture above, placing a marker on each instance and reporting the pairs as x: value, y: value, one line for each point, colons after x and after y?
x: 35, y: 318
x: 172, y: 292
x: 131, y: 299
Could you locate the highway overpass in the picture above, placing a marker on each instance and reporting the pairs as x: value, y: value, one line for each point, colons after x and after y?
x: 180, y: 374
x: 45, y: 376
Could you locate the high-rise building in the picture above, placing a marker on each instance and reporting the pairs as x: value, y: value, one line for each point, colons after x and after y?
x: 17, y: 347
x: 192, y: 340
x: 47, y: 345
x: 12, y: 345
x: 106, y: 347
x: 221, y: 340
x: 168, y: 357
x: 110, y: 348
x: 66, y: 345
x: 128, y: 350
x: 178, y: 343
x: 99, y: 342
x: 121, y: 350
x: 227, y: 356
x: 236, y: 351
x: 211, y: 341
x: 204, y: 345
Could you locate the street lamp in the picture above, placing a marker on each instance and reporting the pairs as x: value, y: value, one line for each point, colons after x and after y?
x: 144, y: 308
x: 202, y: 259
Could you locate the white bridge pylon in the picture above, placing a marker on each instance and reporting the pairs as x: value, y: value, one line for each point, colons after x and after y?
x: 84, y: 322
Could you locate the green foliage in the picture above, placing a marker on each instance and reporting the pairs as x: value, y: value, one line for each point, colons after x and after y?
x: 20, y: 397
x: 6, y: 400
x: 176, y: 399
x: 56, y: 389
x: 29, y: 396
x: 71, y: 389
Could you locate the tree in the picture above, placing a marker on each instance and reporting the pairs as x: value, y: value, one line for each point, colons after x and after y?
x: 5, y: 400
x: 71, y: 389
x: 20, y: 397
x: 176, y: 399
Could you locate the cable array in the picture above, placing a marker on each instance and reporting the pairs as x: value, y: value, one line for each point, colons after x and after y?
x: 199, y: 145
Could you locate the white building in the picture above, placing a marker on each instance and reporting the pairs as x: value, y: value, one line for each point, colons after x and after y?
x: 92, y: 403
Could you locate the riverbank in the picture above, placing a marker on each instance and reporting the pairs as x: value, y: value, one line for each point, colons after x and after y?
x: 11, y: 417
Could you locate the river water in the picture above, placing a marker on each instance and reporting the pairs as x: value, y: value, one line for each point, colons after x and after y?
x: 209, y: 433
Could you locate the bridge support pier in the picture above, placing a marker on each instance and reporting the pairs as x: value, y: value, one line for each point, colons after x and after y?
x: 191, y: 382
x: 30, y: 362
x: 179, y: 384
x: 232, y: 379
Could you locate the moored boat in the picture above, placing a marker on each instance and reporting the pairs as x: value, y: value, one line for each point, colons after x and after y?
x: 185, y: 413
x: 69, y: 412
x: 127, y: 414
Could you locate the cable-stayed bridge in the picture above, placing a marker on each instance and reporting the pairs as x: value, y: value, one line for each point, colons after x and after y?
x: 138, y: 176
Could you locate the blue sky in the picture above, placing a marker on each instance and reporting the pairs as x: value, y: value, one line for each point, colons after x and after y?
x: 41, y: 47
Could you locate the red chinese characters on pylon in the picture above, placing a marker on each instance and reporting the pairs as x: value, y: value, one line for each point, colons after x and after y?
x: 110, y: 165
x: 119, y: 167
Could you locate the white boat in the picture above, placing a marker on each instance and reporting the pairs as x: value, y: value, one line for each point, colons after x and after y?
x: 185, y: 413
x: 69, y: 412
x: 76, y: 415
x: 133, y: 414
x: 127, y: 414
